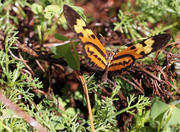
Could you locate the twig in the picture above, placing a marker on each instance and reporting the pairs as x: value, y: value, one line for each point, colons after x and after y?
x: 27, y: 66
x: 128, y: 81
x: 22, y: 114
x: 26, y: 49
x: 87, y: 99
x: 24, y: 71
x: 149, y: 73
x: 174, y: 85
x: 137, y: 83
x: 15, y: 57
x: 38, y: 63
x: 33, y: 53
x: 104, y: 90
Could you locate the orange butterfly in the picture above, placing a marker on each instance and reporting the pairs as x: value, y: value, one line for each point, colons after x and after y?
x: 97, y: 55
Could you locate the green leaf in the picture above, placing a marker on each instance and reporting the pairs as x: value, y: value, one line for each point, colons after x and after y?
x: 176, y: 102
x: 60, y: 37
x: 36, y: 8
x: 1, y: 126
x: 76, y: 56
x: 70, y: 57
x: 51, y: 10
x: 174, y: 120
x: 60, y: 51
x: 158, y: 108
x: 8, y: 113
x: 80, y: 11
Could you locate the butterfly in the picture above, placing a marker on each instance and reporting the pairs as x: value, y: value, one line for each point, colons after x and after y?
x: 96, y: 54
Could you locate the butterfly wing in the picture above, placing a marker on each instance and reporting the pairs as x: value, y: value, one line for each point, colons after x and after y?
x: 126, y: 57
x: 92, y: 47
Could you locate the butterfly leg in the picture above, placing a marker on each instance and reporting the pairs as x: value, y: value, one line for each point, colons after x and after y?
x: 112, y: 84
x: 104, y: 77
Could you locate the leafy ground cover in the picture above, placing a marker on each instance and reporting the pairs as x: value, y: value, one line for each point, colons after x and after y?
x: 40, y: 57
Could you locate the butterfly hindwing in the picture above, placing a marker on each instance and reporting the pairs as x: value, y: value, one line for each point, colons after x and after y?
x: 92, y: 47
x: 126, y: 57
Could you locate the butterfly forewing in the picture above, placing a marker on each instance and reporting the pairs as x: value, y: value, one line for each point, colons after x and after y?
x: 126, y: 57
x: 92, y: 47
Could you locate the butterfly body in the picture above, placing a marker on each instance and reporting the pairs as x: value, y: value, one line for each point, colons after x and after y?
x: 96, y: 53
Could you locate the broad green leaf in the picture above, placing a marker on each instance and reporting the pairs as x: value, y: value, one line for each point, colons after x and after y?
x: 176, y: 102
x: 70, y: 57
x: 157, y: 109
x: 60, y: 37
x: 76, y: 56
x: 174, y: 120
x: 60, y: 51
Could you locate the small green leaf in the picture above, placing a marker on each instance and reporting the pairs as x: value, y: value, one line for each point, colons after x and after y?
x: 71, y: 111
x: 70, y: 57
x: 36, y: 8
x: 60, y: 51
x: 8, y: 112
x: 39, y: 27
x: 60, y: 37
x: 174, y: 116
x: 76, y: 56
x: 158, y: 108
x: 51, y: 10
